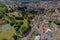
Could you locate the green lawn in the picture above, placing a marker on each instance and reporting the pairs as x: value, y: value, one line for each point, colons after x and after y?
x: 8, y: 34
x: 25, y: 23
x: 13, y: 13
x: 2, y: 8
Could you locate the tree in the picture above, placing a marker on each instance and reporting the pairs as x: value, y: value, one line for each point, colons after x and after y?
x: 12, y: 23
x: 15, y: 37
x: 21, y: 23
x: 29, y: 21
x: 1, y: 15
x: 57, y: 22
x: 32, y: 11
x: 19, y: 18
x: 50, y: 21
x: 24, y: 29
x: 58, y: 8
x: 50, y: 12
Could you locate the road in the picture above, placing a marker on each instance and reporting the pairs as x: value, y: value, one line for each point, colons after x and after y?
x: 32, y: 30
x: 36, y: 27
x: 36, y: 22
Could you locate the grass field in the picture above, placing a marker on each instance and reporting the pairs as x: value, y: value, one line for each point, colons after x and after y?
x: 8, y: 34
x: 13, y: 13
x: 2, y: 8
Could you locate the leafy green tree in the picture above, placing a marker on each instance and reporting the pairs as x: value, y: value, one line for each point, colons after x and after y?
x: 1, y: 15
x: 50, y: 12
x: 50, y: 21
x: 21, y: 23
x: 12, y: 23
x: 29, y: 21
x: 58, y: 8
x: 15, y: 37
x: 19, y: 18
x: 24, y: 29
